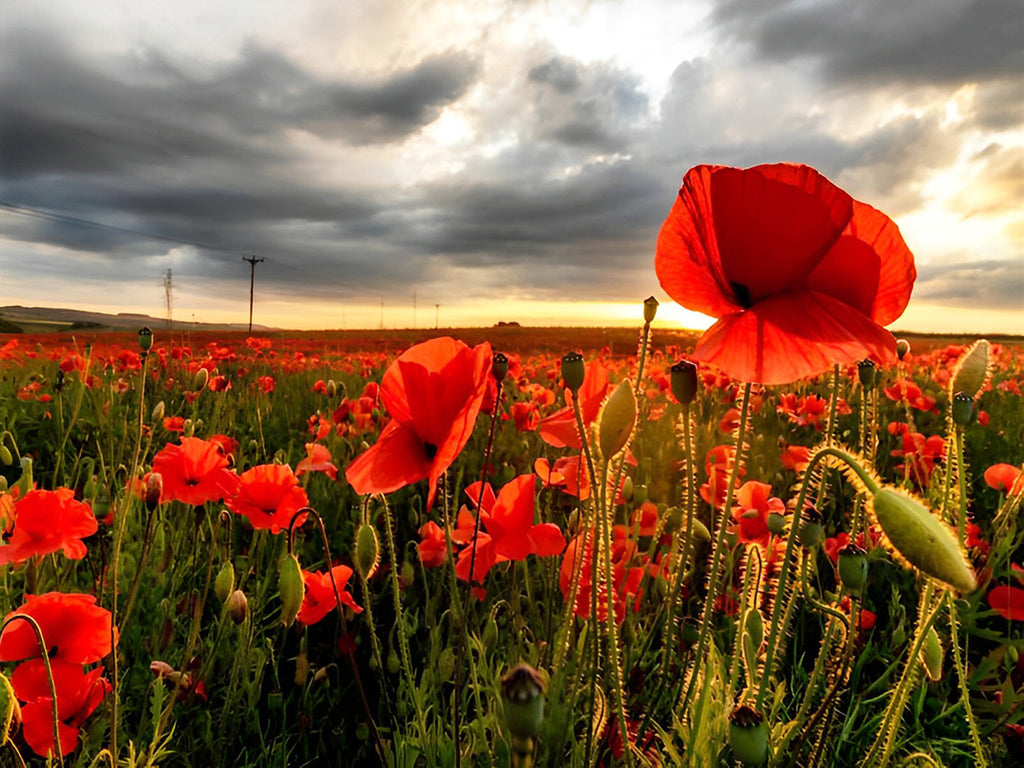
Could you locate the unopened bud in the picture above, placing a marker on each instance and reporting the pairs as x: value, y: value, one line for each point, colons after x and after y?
x: 972, y: 369
x: 366, y: 555
x: 616, y: 420
x: 224, y: 584
x: 237, y: 606
x: 853, y: 569
x: 573, y: 371
x: 902, y: 348
x: 291, y: 587
x: 811, y: 530
x: 154, y: 490
x: 332, y: 387
x: 650, y: 309
x: 931, y: 655
x: 158, y: 411
x: 199, y: 380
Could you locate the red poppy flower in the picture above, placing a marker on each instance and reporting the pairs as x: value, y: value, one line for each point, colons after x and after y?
x: 269, y: 495
x: 194, y: 472
x: 799, y: 274
x: 433, y: 392
x: 74, y: 627
x: 319, y: 599
x: 318, y: 459
x: 559, y: 429
x: 432, y: 547
x: 510, y: 531
x: 567, y: 474
x: 754, y: 504
x: 78, y: 694
x: 718, y: 464
x: 49, y: 521
x: 1005, y: 478
x: 1008, y: 602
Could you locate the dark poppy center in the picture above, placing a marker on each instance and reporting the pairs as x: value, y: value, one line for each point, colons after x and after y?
x: 430, y: 449
x: 742, y: 294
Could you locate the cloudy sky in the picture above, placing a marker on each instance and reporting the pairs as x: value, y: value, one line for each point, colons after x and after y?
x: 473, y: 161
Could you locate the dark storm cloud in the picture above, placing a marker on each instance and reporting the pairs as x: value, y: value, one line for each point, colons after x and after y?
x: 910, y: 40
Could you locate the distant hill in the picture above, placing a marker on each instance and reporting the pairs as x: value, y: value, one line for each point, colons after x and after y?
x: 59, y: 319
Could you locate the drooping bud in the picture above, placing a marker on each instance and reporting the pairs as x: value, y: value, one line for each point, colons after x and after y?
x: 332, y: 388
x: 145, y: 338
x: 683, y: 379
x: 5, y: 455
x: 650, y: 309
x: 853, y: 569
x: 523, y: 690
x: 158, y: 411
x: 616, y: 419
x: 972, y: 369
x: 499, y: 366
x: 573, y: 371
x: 962, y: 409
x: 867, y: 373
x: 224, y: 584
x: 748, y: 735
x: 902, y: 348
x: 921, y: 539
x: 291, y: 587
x: 199, y: 380
x: 366, y: 555
x: 237, y: 606
x: 154, y: 490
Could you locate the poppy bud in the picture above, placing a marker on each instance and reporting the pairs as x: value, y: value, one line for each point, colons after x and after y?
x: 446, y: 665
x: 145, y: 339
x: 902, y: 348
x: 332, y: 388
x: 683, y: 379
x: 972, y: 369
x: 650, y: 309
x: 188, y: 428
x: 616, y: 420
x: 393, y: 663
x: 962, y: 409
x: 811, y: 531
x: 301, y: 669
x: 406, y: 574
x: 573, y: 371
x: 490, y: 634
x: 639, y: 493
x: 154, y: 490
x: 5, y: 455
x: 158, y: 411
x: 291, y: 587
x: 367, y: 551
x: 673, y: 519
x: 58, y: 382
x: 776, y: 523
x: 748, y: 735
x: 866, y: 372
x: 921, y: 539
x: 199, y: 380
x: 237, y: 606
x: 224, y: 584
x: 499, y: 366
x: 1012, y: 654
x: 523, y: 689
x: 931, y: 655
x: 853, y: 569
x: 627, y: 488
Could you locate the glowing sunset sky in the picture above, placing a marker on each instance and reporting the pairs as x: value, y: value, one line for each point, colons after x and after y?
x: 503, y: 159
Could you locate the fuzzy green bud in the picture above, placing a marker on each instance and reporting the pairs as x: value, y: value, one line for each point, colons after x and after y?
x: 627, y: 488
x: 5, y: 455
x: 853, y: 569
x: 921, y: 539
x: 291, y: 587
x: 366, y: 553
x: 931, y: 655
x: 224, y: 584
x: 616, y: 420
x: 683, y: 380
x: 158, y: 411
x: 446, y: 665
x: 199, y: 380
x: 573, y: 371
x: 811, y: 530
x: 972, y: 369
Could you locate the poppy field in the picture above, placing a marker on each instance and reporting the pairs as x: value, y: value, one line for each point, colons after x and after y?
x: 792, y: 540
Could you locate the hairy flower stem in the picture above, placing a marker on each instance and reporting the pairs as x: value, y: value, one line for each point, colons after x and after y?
x: 961, y: 471
x: 37, y: 630
x: 480, y: 495
x: 719, y: 547
x: 961, y: 673
x: 794, y: 527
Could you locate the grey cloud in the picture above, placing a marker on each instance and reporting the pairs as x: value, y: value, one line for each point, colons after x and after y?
x: 977, y: 284
x: 911, y: 40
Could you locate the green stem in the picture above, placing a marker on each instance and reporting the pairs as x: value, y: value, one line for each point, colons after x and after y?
x: 961, y: 673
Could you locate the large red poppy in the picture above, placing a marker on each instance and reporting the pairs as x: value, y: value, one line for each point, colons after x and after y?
x: 269, y: 495
x: 74, y: 628
x: 319, y: 599
x: 433, y: 392
x: 48, y: 521
x: 194, y: 472
x: 799, y: 274
x: 78, y: 694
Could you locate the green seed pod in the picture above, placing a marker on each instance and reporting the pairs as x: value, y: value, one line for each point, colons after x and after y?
x: 650, y: 309
x: 499, y: 366
x: 972, y: 369
x: 145, y: 339
x: 291, y: 587
x: 366, y: 555
x: 683, y: 379
x: 902, y: 348
x: 573, y: 371
x: 673, y: 517
x: 639, y: 493
x: 523, y: 689
x: 853, y: 569
x: 8, y: 707
x: 921, y: 539
x: 776, y: 523
x: 748, y: 735
x: 866, y: 372
x: 700, y: 531
x: 811, y: 531
x: 224, y: 584
x: 446, y: 665
x: 962, y: 409
x: 931, y: 655
x: 616, y: 420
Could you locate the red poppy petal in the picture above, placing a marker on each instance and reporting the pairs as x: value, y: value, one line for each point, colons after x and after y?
x: 396, y: 460
x: 870, y: 267
x: 547, y: 539
x: 513, y: 509
x: 37, y: 729
x: 559, y: 430
x: 1008, y: 602
x: 791, y: 337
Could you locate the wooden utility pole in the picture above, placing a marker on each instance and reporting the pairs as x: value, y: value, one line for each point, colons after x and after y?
x: 253, y: 261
